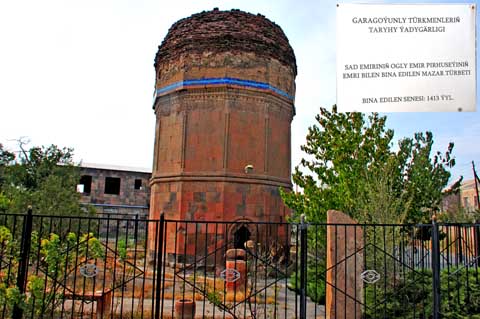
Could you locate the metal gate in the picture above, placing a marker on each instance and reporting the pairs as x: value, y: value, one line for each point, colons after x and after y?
x: 392, y: 271
x: 231, y: 269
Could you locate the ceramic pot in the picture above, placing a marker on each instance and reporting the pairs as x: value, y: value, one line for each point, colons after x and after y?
x: 185, y: 309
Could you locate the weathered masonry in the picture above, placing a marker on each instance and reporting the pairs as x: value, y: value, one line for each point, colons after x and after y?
x: 115, y: 190
x: 224, y: 102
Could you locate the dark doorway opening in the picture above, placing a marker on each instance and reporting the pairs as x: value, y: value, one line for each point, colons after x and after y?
x: 240, y: 237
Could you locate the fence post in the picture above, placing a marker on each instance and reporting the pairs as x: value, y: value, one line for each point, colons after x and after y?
x: 303, y: 268
x: 23, y: 264
x: 159, y: 253
x: 436, y: 268
x: 477, y: 242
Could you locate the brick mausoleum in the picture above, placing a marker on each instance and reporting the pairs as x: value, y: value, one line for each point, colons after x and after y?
x: 224, y: 102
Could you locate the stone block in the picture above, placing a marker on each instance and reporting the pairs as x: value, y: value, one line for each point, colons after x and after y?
x: 344, y: 287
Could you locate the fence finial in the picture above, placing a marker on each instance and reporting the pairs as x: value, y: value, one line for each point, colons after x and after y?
x: 302, y: 218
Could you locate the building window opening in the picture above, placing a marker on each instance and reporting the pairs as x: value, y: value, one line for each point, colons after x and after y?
x: 138, y: 184
x: 466, y: 203
x: 241, y: 236
x: 112, y: 185
x: 86, y: 181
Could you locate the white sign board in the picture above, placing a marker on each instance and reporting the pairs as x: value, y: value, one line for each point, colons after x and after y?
x: 402, y: 57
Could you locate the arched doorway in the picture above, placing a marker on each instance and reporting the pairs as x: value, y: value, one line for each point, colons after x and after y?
x: 240, y: 237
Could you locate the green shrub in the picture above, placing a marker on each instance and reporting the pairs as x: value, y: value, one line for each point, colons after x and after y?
x: 410, y: 296
x: 57, y: 259
x: 461, y: 293
x: 315, y: 282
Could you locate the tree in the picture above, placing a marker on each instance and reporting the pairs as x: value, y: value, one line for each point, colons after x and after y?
x: 351, y: 166
x: 43, y: 177
x: 6, y: 158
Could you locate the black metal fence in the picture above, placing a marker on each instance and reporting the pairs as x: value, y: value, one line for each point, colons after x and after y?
x: 75, y: 267
x: 128, y: 267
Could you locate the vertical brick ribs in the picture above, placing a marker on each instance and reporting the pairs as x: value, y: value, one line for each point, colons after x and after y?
x: 207, y: 134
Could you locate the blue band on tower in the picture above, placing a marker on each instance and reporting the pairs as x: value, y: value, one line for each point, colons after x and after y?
x: 222, y: 81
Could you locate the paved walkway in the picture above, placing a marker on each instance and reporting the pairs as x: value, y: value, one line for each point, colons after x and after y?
x: 284, y: 308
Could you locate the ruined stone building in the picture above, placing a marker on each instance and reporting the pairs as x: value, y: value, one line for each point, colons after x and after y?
x: 115, y: 190
x: 466, y: 198
x: 224, y: 103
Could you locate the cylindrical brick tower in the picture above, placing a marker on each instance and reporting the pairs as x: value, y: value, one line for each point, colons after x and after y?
x: 224, y: 102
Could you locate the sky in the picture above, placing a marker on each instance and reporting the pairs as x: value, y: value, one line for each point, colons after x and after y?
x: 80, y: 74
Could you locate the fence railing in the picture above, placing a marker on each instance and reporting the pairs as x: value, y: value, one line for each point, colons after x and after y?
x: 127, y: 267
x: 75, y: 266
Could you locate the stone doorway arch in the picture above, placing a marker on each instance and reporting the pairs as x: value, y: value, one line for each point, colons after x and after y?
x: 241, y: 231
x: 241, y: 236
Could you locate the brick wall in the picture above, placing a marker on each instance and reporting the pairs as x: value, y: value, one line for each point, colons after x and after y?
x: 225, y: 87
x: 128, y: 195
